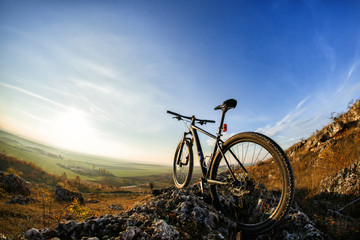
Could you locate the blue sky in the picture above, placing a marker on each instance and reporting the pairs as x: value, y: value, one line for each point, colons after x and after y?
x: 98, y: 76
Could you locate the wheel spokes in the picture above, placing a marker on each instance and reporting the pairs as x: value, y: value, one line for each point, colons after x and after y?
x: 252, y: 200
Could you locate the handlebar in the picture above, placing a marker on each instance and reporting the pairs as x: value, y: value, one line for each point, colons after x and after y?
x: 180, y: 117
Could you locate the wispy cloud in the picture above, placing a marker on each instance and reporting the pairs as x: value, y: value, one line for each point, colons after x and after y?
x: 37, y: 118
x: 327, y: 50
x: 289, y: 121
x: 350, y: 82
x: 351, y: 70
x: 34, y: 95
x: 313, y: 112
x: 87, y: 85
x: 60, y: 107
x: 86, y: 65
x: 302, y: 102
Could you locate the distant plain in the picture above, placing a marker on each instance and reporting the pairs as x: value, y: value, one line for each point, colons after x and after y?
x: 97, y: 169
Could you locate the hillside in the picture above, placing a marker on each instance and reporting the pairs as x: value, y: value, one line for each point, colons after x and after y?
x: 328, y: 151
x: 327, y: 177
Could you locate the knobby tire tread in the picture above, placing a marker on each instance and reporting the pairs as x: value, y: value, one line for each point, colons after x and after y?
x: 285, y: 167
x: 191, y: 164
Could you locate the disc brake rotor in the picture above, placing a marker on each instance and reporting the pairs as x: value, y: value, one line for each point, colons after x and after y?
x: 243, y: 186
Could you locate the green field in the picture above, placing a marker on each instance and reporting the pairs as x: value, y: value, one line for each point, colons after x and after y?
x: 90, y: 168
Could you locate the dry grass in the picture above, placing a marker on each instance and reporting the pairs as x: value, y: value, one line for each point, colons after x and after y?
x: 268, y: 173
x: 16, y: 219
x: 311, y: 168
x: 44, y: 211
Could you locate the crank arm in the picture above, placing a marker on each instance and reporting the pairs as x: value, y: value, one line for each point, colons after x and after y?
x: 216, y: 182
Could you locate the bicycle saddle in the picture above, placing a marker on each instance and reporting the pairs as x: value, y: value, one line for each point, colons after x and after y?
x: 226, y: 105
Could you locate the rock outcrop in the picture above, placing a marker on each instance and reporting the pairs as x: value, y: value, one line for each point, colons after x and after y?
x: 116, y: 207
x: 326, y: 136
x: 345, y: 182
x: 11, y: 183
x: 64, y: 194
x: 20, y: 200
x: 175, y: 214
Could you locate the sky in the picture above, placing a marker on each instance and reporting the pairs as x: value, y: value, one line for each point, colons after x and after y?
x: 98, y: 76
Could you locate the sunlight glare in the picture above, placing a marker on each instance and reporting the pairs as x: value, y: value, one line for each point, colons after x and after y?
x: 72, y: 130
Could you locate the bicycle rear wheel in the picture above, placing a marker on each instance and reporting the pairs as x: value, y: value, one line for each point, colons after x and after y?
x: 263, y: 190
x: 183, y: 164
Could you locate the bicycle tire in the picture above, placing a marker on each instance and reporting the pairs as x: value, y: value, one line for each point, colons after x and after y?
x: 182, y: 171
x: 263, y: 195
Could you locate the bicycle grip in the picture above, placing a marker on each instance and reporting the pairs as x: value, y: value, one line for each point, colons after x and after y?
x: 173, y: 113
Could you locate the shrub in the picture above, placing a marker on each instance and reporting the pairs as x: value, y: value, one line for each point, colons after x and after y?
x: 78, y: 210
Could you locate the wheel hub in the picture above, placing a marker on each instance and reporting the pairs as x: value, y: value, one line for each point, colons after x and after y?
x: 243, y: 185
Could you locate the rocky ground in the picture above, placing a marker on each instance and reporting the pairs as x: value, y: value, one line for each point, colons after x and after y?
x: 345, y: 182
x: 172, y: 213
x: 175, y: 214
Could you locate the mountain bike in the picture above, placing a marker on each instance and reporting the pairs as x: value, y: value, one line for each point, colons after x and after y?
x: 251, y: 179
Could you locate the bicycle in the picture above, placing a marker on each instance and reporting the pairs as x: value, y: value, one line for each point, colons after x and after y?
x: 251, y: 179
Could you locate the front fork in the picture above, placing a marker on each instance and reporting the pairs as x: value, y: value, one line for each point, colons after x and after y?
x: 178, y: 161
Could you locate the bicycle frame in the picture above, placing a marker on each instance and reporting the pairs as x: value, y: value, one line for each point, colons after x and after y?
x: 193, y: 130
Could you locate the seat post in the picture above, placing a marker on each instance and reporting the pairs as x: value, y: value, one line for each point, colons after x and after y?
x: 222, y: 121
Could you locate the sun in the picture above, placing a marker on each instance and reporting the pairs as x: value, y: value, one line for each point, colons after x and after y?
x: 71, y: 129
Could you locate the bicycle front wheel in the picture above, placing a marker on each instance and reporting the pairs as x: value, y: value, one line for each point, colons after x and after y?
x: 259, y: 181
x: 183, y: 164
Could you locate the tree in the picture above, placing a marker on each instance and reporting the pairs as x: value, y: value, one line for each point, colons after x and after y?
x: 63, y: 177
x: 77, y: 180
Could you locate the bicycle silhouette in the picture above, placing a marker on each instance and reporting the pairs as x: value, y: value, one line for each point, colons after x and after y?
x: 250, y: 177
